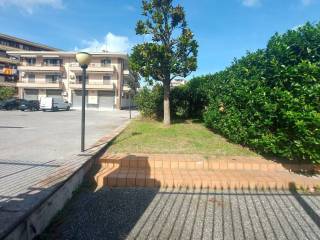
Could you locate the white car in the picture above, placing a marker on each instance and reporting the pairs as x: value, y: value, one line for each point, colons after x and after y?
x: 54, y: 104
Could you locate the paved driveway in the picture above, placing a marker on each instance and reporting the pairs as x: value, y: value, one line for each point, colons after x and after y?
x: 32, y: 144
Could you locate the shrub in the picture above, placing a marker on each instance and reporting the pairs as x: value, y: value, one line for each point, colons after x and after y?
x: 270, y: 99
x: 184, y: 102
x: 150, y: 101
x: 6, y: 93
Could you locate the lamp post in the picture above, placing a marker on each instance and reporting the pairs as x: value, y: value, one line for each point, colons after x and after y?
x: 130, y: 104
x: 83, y: 59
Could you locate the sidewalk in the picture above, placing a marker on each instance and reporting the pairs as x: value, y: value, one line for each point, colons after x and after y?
x: 151, y: 213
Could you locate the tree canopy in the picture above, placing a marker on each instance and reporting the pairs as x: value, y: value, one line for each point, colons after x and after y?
x: 172, y: 51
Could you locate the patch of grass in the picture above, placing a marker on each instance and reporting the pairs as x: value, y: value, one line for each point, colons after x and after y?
x: 146, y: 136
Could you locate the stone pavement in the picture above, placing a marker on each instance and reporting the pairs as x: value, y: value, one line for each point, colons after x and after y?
x: 170, y: 170
x: 151, y: 213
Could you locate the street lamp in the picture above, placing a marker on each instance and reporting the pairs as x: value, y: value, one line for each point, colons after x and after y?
x: 83, y: 59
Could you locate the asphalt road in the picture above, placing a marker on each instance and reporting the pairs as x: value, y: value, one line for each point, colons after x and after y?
x: 33, y: 144
x: 187, y: 214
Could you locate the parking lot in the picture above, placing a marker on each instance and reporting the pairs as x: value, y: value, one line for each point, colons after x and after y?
x: 33, y: 144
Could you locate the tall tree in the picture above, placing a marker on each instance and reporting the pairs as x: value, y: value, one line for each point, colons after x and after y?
x: 171, y: 53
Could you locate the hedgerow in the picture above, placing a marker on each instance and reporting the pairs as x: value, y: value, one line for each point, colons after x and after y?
x: 268, y: 100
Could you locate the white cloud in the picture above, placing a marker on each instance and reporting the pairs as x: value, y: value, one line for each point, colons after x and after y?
x: 251, y: 3
x: 111, y: 43
x: 30, y: 5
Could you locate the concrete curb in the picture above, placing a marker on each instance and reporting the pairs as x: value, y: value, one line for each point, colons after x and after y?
x: 26, y: 219
x: 195, y: 171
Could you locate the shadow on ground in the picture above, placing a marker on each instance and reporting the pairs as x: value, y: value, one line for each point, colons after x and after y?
x: 151, y: 213
x: 106, y: 213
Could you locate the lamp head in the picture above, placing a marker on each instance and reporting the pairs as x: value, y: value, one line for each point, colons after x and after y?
x: 83, y: 58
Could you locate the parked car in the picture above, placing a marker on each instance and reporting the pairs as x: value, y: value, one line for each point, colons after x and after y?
x: 32, y: 105
x: 10, y: 104
x: 53, y: 104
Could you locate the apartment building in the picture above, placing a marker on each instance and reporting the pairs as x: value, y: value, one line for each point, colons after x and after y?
x: 8, y: 64
x: 178, y: 82
x: 57, y: 74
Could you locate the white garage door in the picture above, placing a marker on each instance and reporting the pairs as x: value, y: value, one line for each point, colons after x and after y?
x: 31, y: 94
x: 54, y: 93
x: 77, y: 99
x: 106, y: 99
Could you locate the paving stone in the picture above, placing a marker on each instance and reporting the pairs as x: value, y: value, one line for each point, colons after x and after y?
x: 151, y: 213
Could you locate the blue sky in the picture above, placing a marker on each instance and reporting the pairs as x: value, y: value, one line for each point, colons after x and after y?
x: 225, y: 29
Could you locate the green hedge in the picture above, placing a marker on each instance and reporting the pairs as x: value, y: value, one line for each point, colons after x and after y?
x: 270, y: 99
x: 186, y: 101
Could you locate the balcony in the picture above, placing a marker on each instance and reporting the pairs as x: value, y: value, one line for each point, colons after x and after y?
x: 8, y: 84
x: 126, y: 88
x: 40, y: 68
x: 40, y: 85
x: 93, y: 67
x: 8, y: 60
x: 97, y: 85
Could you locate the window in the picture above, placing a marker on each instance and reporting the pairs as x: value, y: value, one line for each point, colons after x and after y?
x: 79, y: 79
x: 30, y: 61
x: 126, y: 82
x: 53, y: 78
x: 52, y: 62
x: 105, y: 62
x: 125, y: 65
x: 107, y: 79
x: 31, y: 77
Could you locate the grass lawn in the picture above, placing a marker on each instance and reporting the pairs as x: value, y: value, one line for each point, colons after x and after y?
x: 143, y: 136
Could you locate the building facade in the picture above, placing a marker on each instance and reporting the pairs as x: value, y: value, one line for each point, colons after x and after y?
x: 8, y: 64
x: 178, y: 82
x: 57, y: 74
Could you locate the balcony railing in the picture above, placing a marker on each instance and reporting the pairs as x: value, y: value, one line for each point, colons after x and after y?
x: 52, y: 64
x: 8, y: 83
x: 40, y: 67
x: 25, y: 83
x: 93, y: 67
x: 108, y: 85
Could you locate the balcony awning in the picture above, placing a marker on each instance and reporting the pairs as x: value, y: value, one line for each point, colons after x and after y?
x: 28, y: 56
x: 51, y: 56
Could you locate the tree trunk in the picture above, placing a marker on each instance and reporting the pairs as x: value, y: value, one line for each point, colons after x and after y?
x: 166, y: 103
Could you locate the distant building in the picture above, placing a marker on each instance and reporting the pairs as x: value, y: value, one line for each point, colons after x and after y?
x: 8, y: 65
x: 57, y: 74
x: 178, y: 82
